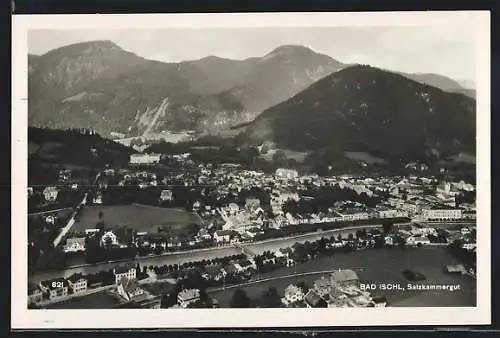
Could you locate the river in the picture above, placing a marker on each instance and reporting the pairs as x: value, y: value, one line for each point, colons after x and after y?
x: 198, y: 255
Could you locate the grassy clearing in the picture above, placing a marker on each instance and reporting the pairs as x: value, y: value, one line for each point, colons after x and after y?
x: 141, y: 218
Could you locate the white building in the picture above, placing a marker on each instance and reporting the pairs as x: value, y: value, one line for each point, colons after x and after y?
x: 166, y: 195
x: 417, y: 240
x: 56, y: 288
x: 129, y: 288
x: 355, y: 216
x: 75, y: 244
x: 145, y: 158
x: 109, y: 237
x: 287, y: 173
x: 224, y: 236
x: 124, y: 271
x: 77, y: 283
x: 50, y: 193
x: 442, y: 214
x: 116, y: 135
x: 91, y: 231
x: 187, y: 297
x: 391, y: 213
x: 423, y: 231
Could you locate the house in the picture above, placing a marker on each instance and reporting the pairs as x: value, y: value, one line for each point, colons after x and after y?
x: 203, y: 235
x: 50, y: 194
x: 293, y: 294
x: 389, y: 240
x: 352, y: 214
x: 313, y: 300
x: 35, y: 294
x: 459, y: 268
x: 278, y: 222
x: 97, y: 199
x: 244, y: 265
x: 187, y: 297
x: 465, y: 231
x: 138, y: 159
x: 109, y: 238
x: 91, y: 231
x: 417, y: 240
x: 50, y: 219
x: 442, y: 214
x: 469, y: 246
x: 77, y: 283
x: 166, y: 195
x: 120, y: 272
x: 345, y: 278
x: 224, y: 236
x: 283, y: 252
x: 213, y: 272
x: 74, y: 244
x: 55, y: 288
x: 252, y: 232
x: 128, y: 288
x: 424, y: 231
x: 286, y: 173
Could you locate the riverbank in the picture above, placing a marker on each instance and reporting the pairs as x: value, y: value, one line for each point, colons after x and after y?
x: 376, y: 266
x: 181, y: 257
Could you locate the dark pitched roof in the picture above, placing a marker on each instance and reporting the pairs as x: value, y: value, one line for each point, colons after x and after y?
x: 244, y: 263
x: 314, y: 300
x: 129, y: 285
x: 123, y: 269
x: 76, y: 277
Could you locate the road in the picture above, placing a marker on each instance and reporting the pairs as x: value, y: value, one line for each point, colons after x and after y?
x: 48, y: 211
x: 324, y: 272
x: 68, y: 226
x: 198, y: 255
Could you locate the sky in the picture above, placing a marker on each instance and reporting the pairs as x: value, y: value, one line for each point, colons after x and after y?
x: 450, y: 52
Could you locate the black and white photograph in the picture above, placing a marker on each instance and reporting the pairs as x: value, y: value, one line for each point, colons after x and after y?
x: 172, y: 170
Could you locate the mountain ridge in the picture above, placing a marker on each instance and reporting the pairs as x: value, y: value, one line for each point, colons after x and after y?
x: 363, y: 108
x: 99, y: 84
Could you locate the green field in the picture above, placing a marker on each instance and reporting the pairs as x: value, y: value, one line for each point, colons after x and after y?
x: 141, y: 218
x: 378, y: 266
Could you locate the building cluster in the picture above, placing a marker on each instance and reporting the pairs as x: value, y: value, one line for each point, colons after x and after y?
x: 126, y: 290
x: 339, y: 289
x: 227, y: 219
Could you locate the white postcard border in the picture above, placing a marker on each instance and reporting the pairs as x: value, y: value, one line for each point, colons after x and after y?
x: 22, y: 318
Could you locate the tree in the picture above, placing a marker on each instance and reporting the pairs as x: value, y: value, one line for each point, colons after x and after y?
x: 270, y: 298
x: 387, y: 226
x: 240, y: 300
x: 279, y: 157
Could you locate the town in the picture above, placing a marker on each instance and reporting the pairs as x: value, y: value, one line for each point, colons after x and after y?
x: 88, y: 238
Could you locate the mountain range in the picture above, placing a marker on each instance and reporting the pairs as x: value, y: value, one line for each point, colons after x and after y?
x: 366, y: 109
x: 99, y: 85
